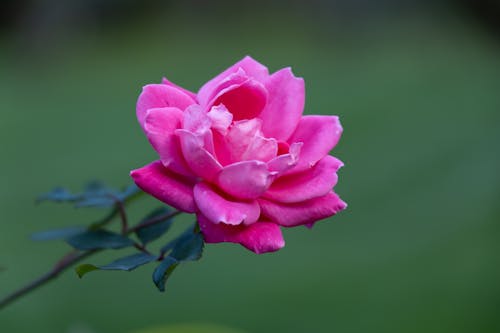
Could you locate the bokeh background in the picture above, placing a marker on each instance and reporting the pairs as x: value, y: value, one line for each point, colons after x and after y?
x: 416, y: 85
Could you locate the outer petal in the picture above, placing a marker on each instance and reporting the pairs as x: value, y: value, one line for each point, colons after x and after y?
x: 172, y: 189
x: 285, y: 104
x: 260, y: 237
x: 244, y: 100
x: 251, y: 67
x: 159, y: 96
x: 187, y: 92
x: 199, y: 160
x: 218, y: 209
x: 306, y: 212
x: 159, y: 125
x: 319, y: 135
x: 306, y: 185
x: 245, y: 180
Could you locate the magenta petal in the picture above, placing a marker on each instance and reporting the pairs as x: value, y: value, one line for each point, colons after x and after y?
x: 245, y: 180
x: 187, y: 92
x: 282, y: 163
x: 199, y: 160
x: 160, y: 96
x: 245, y: 100
x: 261, y: 149
x: 239, y: 137
x: 251, y: 67
x: 306, y: 185
x: 234, y: 79
x: 243, y: 142
x: 172, y: 189
x: 159, y: 125
x: 162, y: 121
x: 305, y: 212
x: 196, y: 120
x: 221, y: 118
x: 285, y: 104
x: 259, y: 237
x: 319, y: 135
x: 221, y: 210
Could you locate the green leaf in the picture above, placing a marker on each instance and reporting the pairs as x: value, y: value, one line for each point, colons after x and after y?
x: 98, y: 194
x: 189, y: 247
x: 163, y: 272
x: 98, y: 201
x: 58, y: 194
x: 186, y: 247
x: 99, y: 239
x: 81, y: 270
x: 62, y: 233
x: 128, y: 263
x: 150, y: 233
x: 95, y: 194
x: 130, y: 191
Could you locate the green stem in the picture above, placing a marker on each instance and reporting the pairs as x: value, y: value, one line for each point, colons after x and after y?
x: 66, y: 262
x: 70, y: 259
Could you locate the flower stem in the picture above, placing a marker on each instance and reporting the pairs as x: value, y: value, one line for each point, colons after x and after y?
x: 154, y: 220
x: 71, y: 259
x: 123, y: 217
x: 66, y: 262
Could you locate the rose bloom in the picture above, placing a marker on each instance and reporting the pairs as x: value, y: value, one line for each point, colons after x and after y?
x: 240, y: 155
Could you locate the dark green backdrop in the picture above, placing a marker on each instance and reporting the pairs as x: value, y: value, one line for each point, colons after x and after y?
x: 418, y: 95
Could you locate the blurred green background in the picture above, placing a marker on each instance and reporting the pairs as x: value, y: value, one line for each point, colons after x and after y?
x: 416, y: 85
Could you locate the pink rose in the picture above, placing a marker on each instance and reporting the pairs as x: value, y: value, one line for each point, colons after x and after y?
x: 240, y: 155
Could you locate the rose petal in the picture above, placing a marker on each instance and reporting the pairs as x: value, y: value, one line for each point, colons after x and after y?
x: 219, y: 209
x: 282, y: 163
x: 234, y: 79
x: 162, y: 121
x: 285, y: 104
x: 244, y: 100
x: 251, y: 67
x: 172, y: 189
x: 306, y: 185
x: 222, y: 150
x: 259, y: 237
x: 243, y: 142
x: 221, y: 118
x: 159, y: 96
x: 261, y: 149
x: 187, y: 92
x: 196, y: 120
x: 305, y: 212
x: 159, y: 125
x: 231, y: 147
x: 319, y: 135
x: 245, y: 180
x: 199, y: 160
